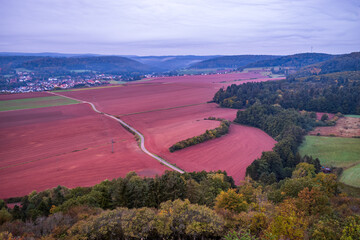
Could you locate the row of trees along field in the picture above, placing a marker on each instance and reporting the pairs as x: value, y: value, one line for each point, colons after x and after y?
x: 287, y: 127
x: 199, y: 205
x: 335, y: 92
x: 208, y: 135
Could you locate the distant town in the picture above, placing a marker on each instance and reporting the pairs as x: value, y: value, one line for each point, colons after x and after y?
x: 24, y: 81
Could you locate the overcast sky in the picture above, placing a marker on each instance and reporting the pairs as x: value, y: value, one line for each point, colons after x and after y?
x: 178, y: 27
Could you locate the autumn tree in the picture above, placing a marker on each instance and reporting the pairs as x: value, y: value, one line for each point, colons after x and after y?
x: 351, y: 230
x: 182, y: 218
x: 4, y: 216
x: 231, y: 201
x: 304, y: 170
x: 313, y: 201
x: 289, y: 222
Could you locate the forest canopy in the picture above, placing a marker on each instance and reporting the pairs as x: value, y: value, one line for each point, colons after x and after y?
x: 306, y: 205
x: 335, y: 92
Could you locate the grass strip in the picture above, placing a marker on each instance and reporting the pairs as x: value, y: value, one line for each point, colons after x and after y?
x: 39, y: 102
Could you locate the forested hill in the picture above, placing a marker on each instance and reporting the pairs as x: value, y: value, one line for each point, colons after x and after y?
x: 331, y: 86
x: 346, y: 62
x: 296, y: 60
x: 231, y: 61
x: 12, y: 62
x: 334, y: 92
x: 105, y: 64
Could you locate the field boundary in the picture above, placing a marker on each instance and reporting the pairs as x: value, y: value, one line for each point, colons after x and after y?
x: 208, y: 135
x: 124, y: 124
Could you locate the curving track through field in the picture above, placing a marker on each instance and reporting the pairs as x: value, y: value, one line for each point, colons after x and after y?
x: 142, y: 139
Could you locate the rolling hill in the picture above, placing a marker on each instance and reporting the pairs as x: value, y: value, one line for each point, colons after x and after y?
x: 342, y: 63
x: 48, y: 54
x: 105, y: 64
x: 296, y: 60
x: 231, y: 61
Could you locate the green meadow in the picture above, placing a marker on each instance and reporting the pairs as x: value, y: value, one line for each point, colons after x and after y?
x: 351, y: 176
x: 39, y: 102
x: 353, y: 116
x: 336, y: 152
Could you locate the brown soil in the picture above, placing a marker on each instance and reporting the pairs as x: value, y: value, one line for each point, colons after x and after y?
x: 345, y: 127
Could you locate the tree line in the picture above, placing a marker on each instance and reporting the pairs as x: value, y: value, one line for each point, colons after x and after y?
x: 307, y: 205
x: 208, y: 135
x: 131, y: 191
x: 287, y: 127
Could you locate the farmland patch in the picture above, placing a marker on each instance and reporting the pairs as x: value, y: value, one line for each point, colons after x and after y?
x: 38, y: 102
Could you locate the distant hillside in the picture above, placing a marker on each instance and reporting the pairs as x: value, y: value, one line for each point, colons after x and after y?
x: 48, y: 54
x: 65, y: 62
x: 11, y: 62
x: 107, y: 64
x: 231, y: 61
x: 169, y: 63
x: 342, y: 63
x: 296, y: 60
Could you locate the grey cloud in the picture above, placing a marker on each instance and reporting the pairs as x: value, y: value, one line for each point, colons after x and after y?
x: 179, y: 26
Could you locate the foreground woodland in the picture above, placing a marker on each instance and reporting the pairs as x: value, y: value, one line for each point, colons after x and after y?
x: 190, y: 206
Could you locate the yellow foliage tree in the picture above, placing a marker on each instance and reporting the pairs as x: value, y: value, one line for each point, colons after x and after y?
x: 304, y: 170
x: 289, y: 222
x: 231, y: 201
x: 328, y: 182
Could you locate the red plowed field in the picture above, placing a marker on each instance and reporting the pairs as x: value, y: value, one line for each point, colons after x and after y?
x: 213, y: 78
x: 232, y: 152
x: 65, y: 145
x: 160, y: 110
x: 136, y: 98
x: 161, y: 93
x: 24, y: 95
x: 70, y: 145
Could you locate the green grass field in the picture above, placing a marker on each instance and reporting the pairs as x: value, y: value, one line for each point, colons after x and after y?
x: 202, y: 70
x: 255, y: 68
x: 353, y: 116
x: 87, y: 88
x: 336, y: 152
x: 38, y: 102
x: 81, y: 70
x: 332, y: 151
x: 22, y: 70
x: 117, y: 82
x: 351, y: 176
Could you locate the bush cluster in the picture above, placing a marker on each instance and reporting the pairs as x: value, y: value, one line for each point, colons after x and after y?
x: 208, y: 135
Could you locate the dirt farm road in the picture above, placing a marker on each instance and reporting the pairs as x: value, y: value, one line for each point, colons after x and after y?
x: 141, y: 137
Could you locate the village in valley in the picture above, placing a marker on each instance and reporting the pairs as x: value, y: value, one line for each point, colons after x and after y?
x: 24, y: 81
